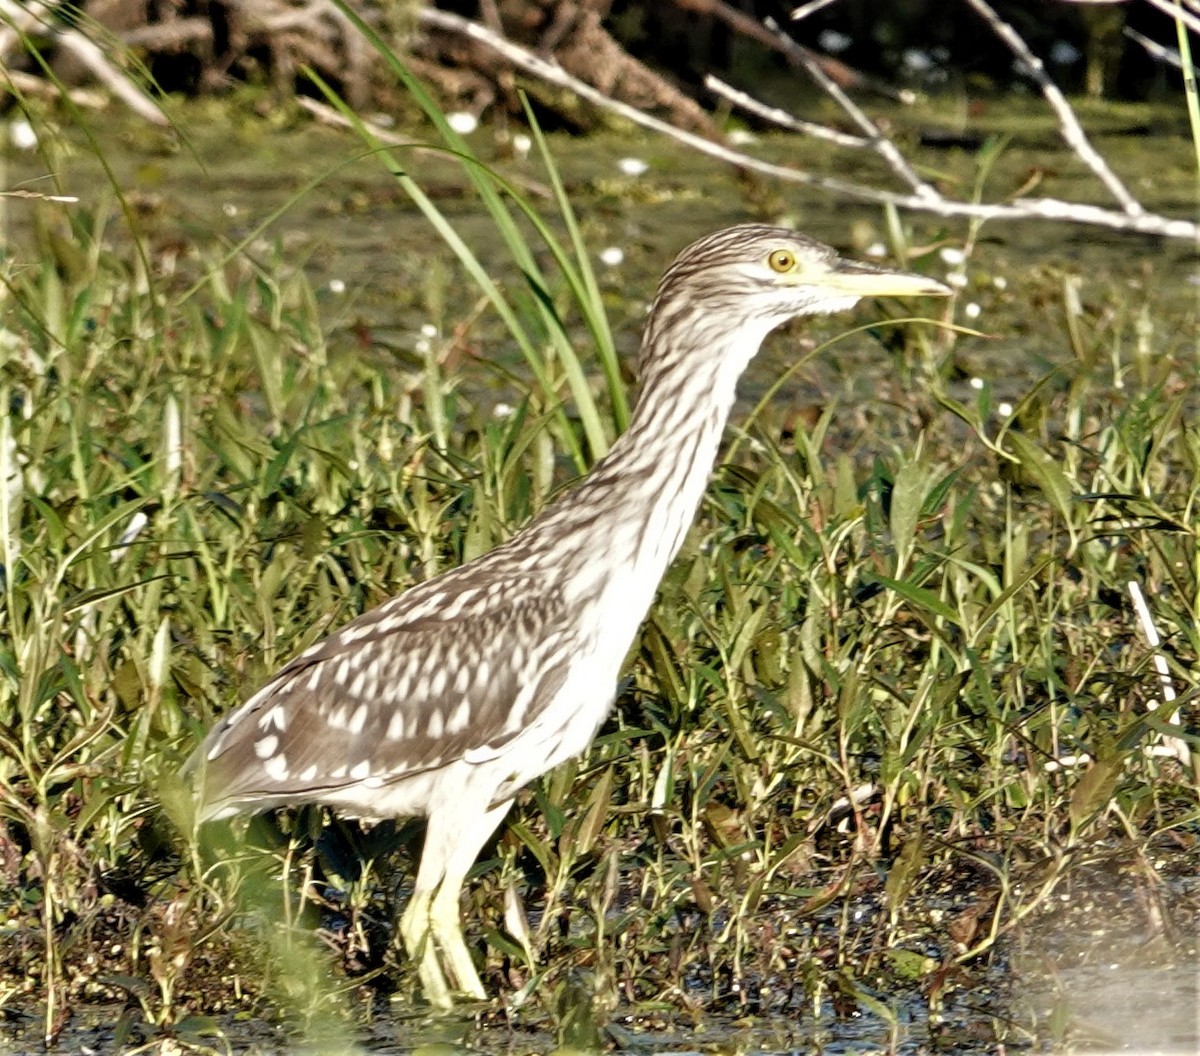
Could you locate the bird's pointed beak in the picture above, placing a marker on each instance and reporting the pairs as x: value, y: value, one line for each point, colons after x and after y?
x: 855, y: 279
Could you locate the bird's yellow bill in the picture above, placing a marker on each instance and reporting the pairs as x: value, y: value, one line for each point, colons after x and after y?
x: 854, y: 279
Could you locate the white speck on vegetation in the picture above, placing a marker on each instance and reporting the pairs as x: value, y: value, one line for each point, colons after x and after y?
x: 229, y: 209
x: 632, y: 166
x: 522, y: 144
x: 21, y: 134
x: 976, y: 383
x: 160, y: 654
x: 10, y: 467
x: 972, y: 310
x: 429, y: 330
x: 337, y: 286
x: 741, y: 137
x: 132, y: 530
x: 612, y: 256
x: 502, y: 410
x: 1000, y: 282
x: 957, y: 279
x: 952, y: 255
x: 1004, y: 409
x: 172, y: 441
x: 876, y: 251
x: 462, y: 122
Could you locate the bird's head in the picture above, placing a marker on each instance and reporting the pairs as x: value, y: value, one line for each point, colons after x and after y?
x: 743, y: 282
x: 754, y: 270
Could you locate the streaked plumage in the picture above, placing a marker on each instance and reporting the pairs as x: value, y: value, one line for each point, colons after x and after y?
x: 446, y: 700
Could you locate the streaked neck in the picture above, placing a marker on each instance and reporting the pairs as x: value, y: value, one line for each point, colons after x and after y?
x: 630, y: 515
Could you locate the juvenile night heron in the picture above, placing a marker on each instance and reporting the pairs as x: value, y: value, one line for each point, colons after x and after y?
x: 445, y: 701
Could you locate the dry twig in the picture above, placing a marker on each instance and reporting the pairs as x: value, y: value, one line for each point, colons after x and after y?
x: 924, y: 196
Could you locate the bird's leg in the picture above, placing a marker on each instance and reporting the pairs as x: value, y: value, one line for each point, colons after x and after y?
x: 418, y: 940
x: 463, y: 837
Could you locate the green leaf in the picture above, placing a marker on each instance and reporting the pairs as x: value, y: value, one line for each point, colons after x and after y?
x: 908, y: 497
x: 919, y: 596
x: 1094, y: 790
x: 1045, y: 472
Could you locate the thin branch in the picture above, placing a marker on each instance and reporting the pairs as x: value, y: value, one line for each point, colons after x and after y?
x: 23, y: 18
x: 1171, y: 8
x: 1021, y: 209
x: 1072, y: 131
x: 1155, y: 50
x: 117, y: 82
x: 171, y: 36
x: 28, y: 84
x: 1174, y: 746
x: 884, y: 147
x: 19, y: 20
x: 811, y: 8
x: 780, y: 117
x: 752, y: 29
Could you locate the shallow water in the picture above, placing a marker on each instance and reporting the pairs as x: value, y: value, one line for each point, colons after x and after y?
x: 380, y: 273
x: 1110, y: 965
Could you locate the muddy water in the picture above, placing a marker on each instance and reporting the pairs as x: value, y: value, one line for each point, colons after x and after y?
x: 379, y: 270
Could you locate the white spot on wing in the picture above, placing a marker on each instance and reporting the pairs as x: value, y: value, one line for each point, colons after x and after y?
x: 358, y: 720
x: 436, y: 724
x: 438, y: 686
x: 265, y: 747
x: 395, y: 729
x: 361, y: 770
x: 276, y: 768
x: 460, y: 719
x: 484, y: 754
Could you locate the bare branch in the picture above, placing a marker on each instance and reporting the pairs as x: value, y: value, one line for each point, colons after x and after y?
x: 169, y: 36
x: 1072, y: 131
x: 1022, y: 209
x: 884, y: 147
x: 811, y: 8
x: 117, y: 82
x: 1171, y: 8
x: 24, y: 18
x: 780, y: 117
x: 20, y: 20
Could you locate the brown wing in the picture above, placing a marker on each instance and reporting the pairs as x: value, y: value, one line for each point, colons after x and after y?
x: 446, y: 669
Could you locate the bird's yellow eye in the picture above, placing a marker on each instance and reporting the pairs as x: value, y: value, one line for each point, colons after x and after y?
x: 782, y: 260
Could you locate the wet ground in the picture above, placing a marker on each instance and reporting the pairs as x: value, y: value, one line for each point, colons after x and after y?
x: 1108, y: 965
